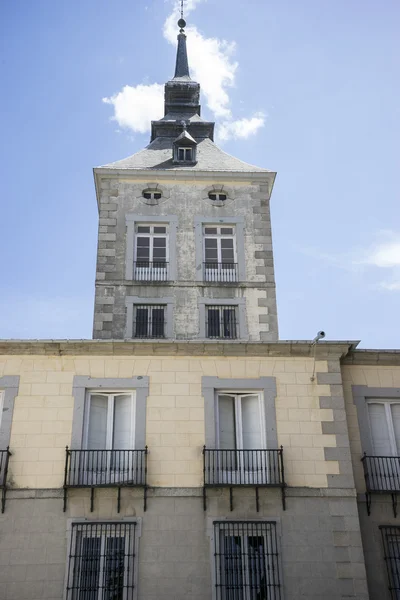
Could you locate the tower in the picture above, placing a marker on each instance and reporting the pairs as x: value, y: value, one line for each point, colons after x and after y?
x: 184, y: 244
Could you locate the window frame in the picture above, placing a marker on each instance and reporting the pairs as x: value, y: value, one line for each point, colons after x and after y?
x: 361, y: 395
x: 239, y: 224
x: 9, y: 387
x: 69, y: 572
x: 387, y: 403
x: 82, y: 384
x: 110, y: 416
x: 214, y: 548
x: 238, y: 395
x: 265, y: 386
x: 241, y: 321
x: 131, y: 221
x: 132, y: 301
x: 219, y: 237
x: 152, y: 236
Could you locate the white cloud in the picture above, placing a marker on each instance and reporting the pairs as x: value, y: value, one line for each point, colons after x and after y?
x: 135, y: 107
x: 242, y: 128
x: 211, y: 64
x: 369, y: 261
x: 384, y: 255
x: 390, y: 286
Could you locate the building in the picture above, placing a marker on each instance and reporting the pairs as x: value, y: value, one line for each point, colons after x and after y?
x: 186, y: 452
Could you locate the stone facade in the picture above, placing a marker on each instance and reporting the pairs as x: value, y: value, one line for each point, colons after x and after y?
x: 186, y: 202
x: 319, y: 535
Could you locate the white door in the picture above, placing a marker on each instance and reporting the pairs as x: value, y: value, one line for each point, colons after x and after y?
x: 151, y: 253
x: 109, y: 426
x: 240, y: 428
x: 384, y: 467
x: 219, y: 254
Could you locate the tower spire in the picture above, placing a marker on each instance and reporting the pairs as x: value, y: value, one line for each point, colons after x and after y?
x: 182, y: 64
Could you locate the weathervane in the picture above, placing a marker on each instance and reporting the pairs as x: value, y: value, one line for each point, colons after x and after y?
x: 181, y: 22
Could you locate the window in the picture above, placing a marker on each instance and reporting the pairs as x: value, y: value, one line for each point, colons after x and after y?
x: 217, y: 196
x: 240, y: 418
x: 384, y: 419
x: 219, y: 246
x: 151, y: 252
x: 219, y: 254
x: 391, y: 546
x: 246, y: 561
x: 102, y: 561
x: 221, y: 322
x: 185, y: 154
x: 149, y: 321
x: 151, y: 194
x: 109, y: 421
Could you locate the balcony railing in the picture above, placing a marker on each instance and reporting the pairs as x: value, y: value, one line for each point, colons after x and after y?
x: 105, y: 468
x: 232, y: 468
x: 150, y: 271
x: 4, y: 458
x: 220, y: 272
x: 382, y: 476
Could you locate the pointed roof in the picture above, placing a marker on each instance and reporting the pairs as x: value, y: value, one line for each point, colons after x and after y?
x: 182, y: 63
x: 182, y: 104
x: 158, y: 156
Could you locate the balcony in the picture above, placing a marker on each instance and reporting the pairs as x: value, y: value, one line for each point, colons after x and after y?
x: 215, y: 272
x: 382, y: 476
x: 105, y: 468
x: 4, y: 458
x: 155, y: 271
x: 237, y: 468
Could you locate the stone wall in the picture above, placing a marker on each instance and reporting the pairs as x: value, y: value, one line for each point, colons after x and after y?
x: 185, y: 200
x: 319, y: 544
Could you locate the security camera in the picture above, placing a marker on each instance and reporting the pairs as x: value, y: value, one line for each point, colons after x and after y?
x: 319, y: 336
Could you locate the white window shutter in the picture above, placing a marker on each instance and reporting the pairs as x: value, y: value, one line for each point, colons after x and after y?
x: 98, y: 412
x: 226, y: 422
x: 122, y: 430
x: 379, y: 429
x: 251, y: 423
x: 396, y: 425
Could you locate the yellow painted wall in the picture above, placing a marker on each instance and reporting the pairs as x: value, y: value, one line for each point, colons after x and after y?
x: 42, y: 420
x: 372, y: 376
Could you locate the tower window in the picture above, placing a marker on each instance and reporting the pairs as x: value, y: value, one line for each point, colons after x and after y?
x: 152, y: 194
x: 185, y: 154
x: 217, y: 196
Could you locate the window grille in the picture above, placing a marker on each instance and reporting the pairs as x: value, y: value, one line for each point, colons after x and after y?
x: 221, y: 322
x: 101, y: 563
x: 391, y: 547
x: 149, y: 321
x: 246, y: 560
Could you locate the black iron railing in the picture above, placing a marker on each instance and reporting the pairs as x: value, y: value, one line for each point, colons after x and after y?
x: 105, y: 468
x: 102, y: 561
x: 149, y: 321
x: 391, y: 549
x: 246, y: 560
x: 4, y: 458
x: 220, y: 272
x: 221, y: 322
x: 151, y: 270
x: 232, y: 468
x: 382, y: 476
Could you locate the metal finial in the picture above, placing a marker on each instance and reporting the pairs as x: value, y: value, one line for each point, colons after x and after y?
x: 181, y: 22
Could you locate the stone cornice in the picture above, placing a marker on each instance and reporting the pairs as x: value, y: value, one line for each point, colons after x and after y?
x: 281, y: 349
x: 376, y: 358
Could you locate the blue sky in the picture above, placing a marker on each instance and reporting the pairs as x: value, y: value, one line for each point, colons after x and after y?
x: 309, y: 89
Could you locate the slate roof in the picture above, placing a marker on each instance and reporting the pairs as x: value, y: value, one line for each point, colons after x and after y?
x: 158, y: 155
